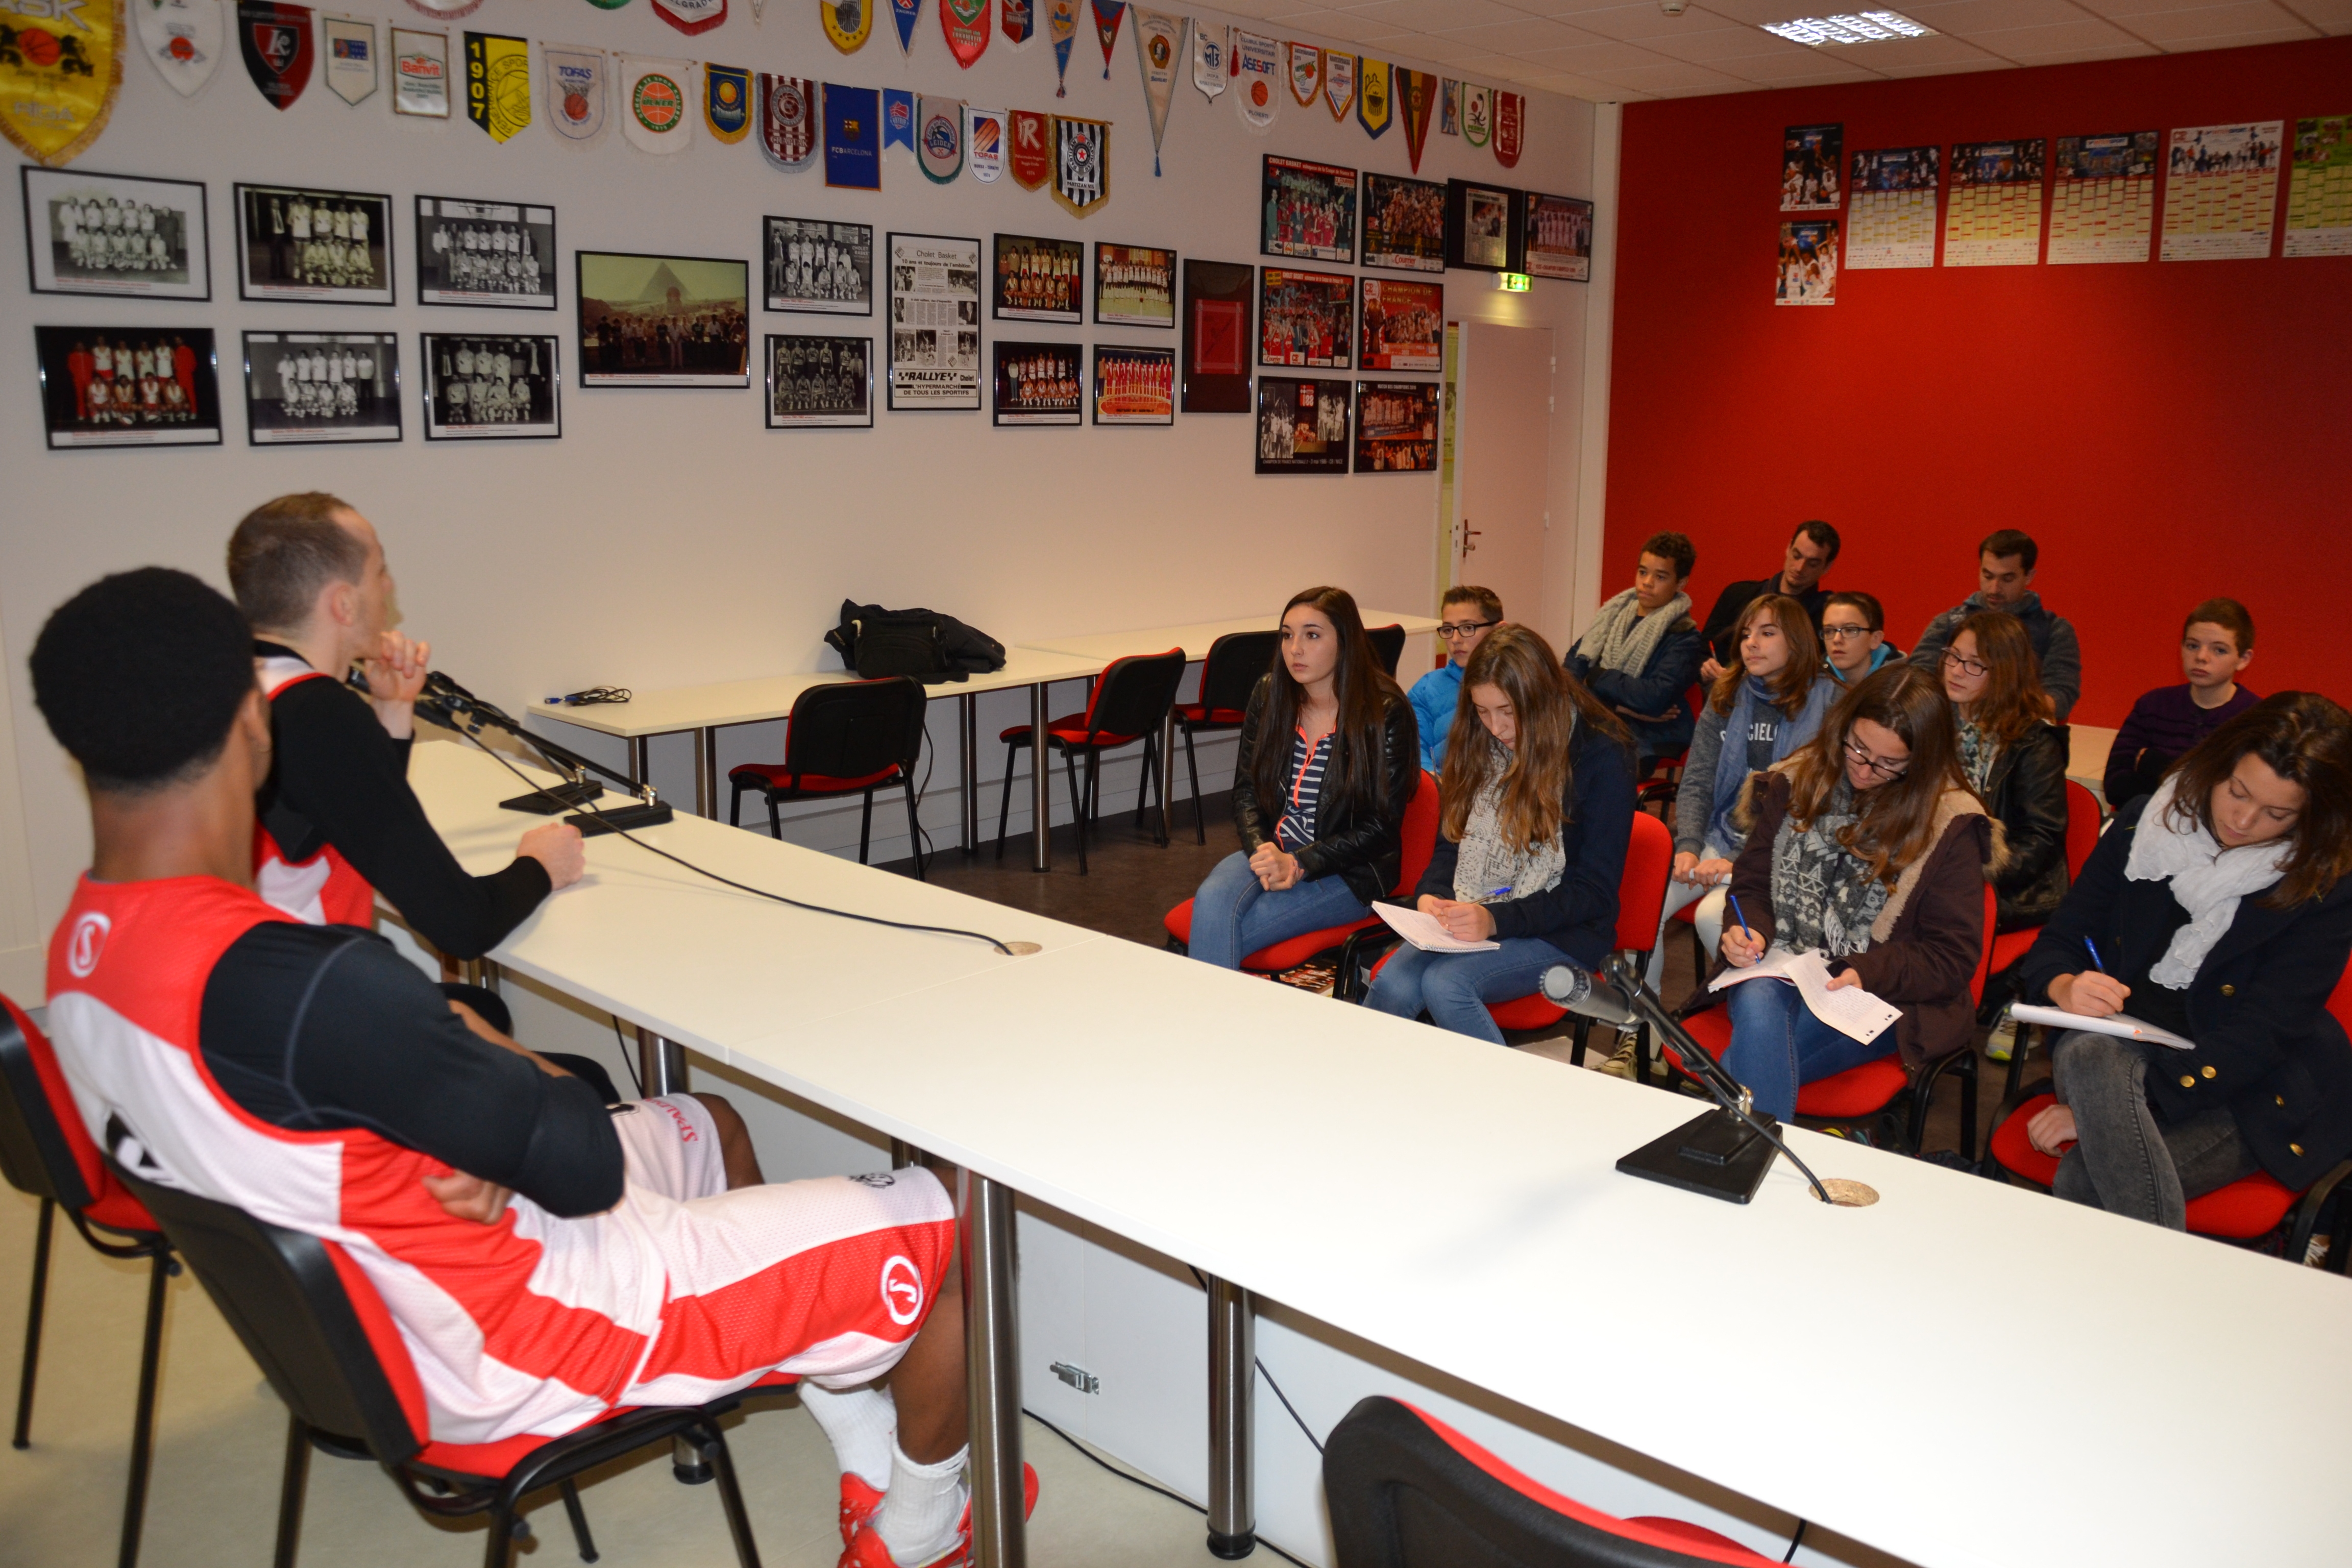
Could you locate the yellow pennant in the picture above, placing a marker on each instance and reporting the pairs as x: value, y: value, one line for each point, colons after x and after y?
x: 498, y: 83
x: 848, y: 23
x: 60, y: 69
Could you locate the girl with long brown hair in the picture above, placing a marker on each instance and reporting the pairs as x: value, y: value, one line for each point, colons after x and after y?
x: 2219, y: 909
x: 2014, y: 757
x: 1329, y: 759
x: 1538, y: 804
x: 1869, y: 846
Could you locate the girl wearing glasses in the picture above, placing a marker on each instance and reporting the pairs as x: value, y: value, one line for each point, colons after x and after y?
x: 1539, y: 805
x: 2015, y: 759
x: 1870, y: 846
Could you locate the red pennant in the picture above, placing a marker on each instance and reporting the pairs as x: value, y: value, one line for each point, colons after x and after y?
x: 275, y: 43
x: 1108, y: 14
x: 965, y: 25
x: 1510, y: 127
x: 1419, y: 91
x: 1031, y: 157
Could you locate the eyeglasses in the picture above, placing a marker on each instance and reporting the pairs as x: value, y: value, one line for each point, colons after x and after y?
x: 1967, y: 666
x: 1839, y: 634
x: 1454, y: 631
x: 1890, y: 771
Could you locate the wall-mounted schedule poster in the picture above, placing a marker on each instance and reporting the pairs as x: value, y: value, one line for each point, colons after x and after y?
x: 1890, y: 218
x: 1994, y: 216
x: 2103, y: 205
x: 2319, y: 191
x: 2221, y: 191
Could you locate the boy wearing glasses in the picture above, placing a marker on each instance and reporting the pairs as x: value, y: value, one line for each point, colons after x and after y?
x: 1465, y: 618
x: 1854, y: 637
x: 1641, y: 652
x: 2005, y: 563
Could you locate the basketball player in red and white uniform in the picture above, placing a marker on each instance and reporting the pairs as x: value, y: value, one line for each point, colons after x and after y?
x: 539, y: 1272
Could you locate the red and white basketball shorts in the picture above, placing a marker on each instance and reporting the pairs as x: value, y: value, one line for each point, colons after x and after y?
x: 671, y: 1146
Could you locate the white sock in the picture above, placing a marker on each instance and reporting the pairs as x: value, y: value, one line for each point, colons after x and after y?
x: 918, y: 1515
x: 862, y: 1425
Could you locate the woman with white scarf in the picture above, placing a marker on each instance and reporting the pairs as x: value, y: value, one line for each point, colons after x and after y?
x: 2220, y: 909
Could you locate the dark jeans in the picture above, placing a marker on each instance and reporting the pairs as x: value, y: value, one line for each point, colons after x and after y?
x: 2126, y: 1162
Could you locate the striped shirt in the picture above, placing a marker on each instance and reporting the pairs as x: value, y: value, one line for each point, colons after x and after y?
x: 1296, y: 828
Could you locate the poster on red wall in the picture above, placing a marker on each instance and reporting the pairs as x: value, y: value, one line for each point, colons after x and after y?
x: 1809, y: 160
x: 2319, y: 194
x: 2221, y: 191
x: 1891, y: 216
x: 2103, y: 201
x: 1809, y: 263
x: 1994, y: 216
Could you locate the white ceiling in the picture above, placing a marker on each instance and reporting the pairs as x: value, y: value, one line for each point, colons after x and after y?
x: 1609, y: 51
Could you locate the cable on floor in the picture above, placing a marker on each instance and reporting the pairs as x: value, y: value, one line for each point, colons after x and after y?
x: 1147, y: 1485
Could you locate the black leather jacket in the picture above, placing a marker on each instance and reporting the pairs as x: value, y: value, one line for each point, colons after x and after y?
x: 2026, y: 794
x: 1361, y: 846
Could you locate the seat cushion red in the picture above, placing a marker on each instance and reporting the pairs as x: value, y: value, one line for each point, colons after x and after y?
x: 2015, y: 1153
x: 1192, y: 713
x: 775, y: 778
x: 2250, y: 1207
x: 1282, y: 955
x: 1535, y: 1012
x: 1066, y: 732
x: 1862, y: 1090
x: 2010, y: 946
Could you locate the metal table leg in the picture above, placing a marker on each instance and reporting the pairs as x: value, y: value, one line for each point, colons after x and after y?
x: 968, y: 771
x: 1041, y: 783
x: 481, y: 971
x: 641, y: 765
x: 706, y: 772
x: 993, y: 1361
x: 661, y: 1064
x: 1232, y: 1403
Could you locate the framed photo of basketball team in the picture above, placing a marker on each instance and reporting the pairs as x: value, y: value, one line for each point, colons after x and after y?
x: 87, y: 233
x: 328, y: 248
x: 128, y: 386
x: 320, y: 388
x: 817, y: 381
x: 501, y: 255
x: 492, y: 387
x: 818, y: 265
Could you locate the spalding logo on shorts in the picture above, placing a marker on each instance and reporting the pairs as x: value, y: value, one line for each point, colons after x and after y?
x: 89, y: 939
x: 902, y: 1290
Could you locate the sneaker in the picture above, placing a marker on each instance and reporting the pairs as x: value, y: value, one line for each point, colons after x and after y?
x: 865, y: 1549
x: 2002, y: 1042
x: 858, y: 1502
x: 2315, y: 1255
x: 1622, y: 1062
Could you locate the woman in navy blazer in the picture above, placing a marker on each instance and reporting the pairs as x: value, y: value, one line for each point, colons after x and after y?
x: 2219, y: 909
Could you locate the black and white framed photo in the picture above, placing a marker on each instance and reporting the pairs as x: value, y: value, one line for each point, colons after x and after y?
x: 306, y: 388
x: 934, y: 321
x: 821, y: 267
x: 87, y: 232
x: 1039, y: 279
x: 1302, y: 425
x: 329, y: 247
x: 1134, y: 387
x: 1135, y: 286
x: 1040, y: 384
x: 499, y: 254
x: 664, y: 320
x: 819, y: 382
x: 129, y: 386
x: 492, y: 387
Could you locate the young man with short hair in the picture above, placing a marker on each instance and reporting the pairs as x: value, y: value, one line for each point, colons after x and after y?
x: 1854, y: 637
x: 2005, y: 565
x: 1465, y: 617
x: 1642, y: 653
x: 2216, y: 643
x: 1811, y: 551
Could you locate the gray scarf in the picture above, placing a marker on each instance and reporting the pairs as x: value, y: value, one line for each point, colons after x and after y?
x: 1823, y: 893
x: 1978, y: 753
x: 1624, y: 639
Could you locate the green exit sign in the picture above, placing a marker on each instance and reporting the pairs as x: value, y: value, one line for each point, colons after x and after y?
x: 1512, y: 283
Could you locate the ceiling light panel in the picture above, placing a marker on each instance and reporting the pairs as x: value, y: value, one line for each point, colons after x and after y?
x: 1862, y: 28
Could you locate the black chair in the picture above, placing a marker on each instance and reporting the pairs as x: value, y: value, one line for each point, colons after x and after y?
x: 306, y: 1322
x: 45, y: 1152
x: 1388, y: 642
x: 1406, y: 1491
x: 1130, y: 703
x: 850, y: 738
x: 1231, y: 673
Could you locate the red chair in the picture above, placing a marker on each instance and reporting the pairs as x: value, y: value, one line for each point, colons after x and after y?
x: 1130, y: 701
x: 1406, y: 1491
x: 1419, y: 842
x: 2084, y: 817
x: 2252, y: 1209
x: 1873, y: 1089
x: 1236, y: 661
x: 851, y: 737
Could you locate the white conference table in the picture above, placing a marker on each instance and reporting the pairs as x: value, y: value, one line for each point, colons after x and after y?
x: 1194, y: 637
x: 1457, y: 1205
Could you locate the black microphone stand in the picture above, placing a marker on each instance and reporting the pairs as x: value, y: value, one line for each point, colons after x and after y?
x: 453, y: 707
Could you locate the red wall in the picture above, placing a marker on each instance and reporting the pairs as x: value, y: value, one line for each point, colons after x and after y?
x: 2167, y: 431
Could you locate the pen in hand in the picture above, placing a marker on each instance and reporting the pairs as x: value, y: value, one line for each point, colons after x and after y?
x: 2097, y: 962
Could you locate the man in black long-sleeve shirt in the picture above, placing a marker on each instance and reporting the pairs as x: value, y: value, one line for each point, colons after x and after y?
x: 1812, y: 550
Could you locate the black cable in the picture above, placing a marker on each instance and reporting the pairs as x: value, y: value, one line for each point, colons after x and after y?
x: 1794, y: 1542
x: 1199, y: 1279
x: 626, y: 1060
x: 1146, y: 1485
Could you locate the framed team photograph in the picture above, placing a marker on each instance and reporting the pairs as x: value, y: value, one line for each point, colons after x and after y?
x: 818, y: 381
x: 330, y: 247
x: 129, y: 386
x: 1040, y: 384
x: 1216, y: 362
x: 819, y: 266
x: 1134, y: 387
x: 664, y: 320
x: 1404, y: 325
x: 934, y: 321
x: 1039, y: 279
x: 1135, y: 286
x: 492, y: 387
x: 1307, y: 210
x: 499, y: 254
x: 1482, y: 233
x: 87, y: 232
x: 1302, y: 425
x: 1306, y: 319
x: 307, y: 388
x: 1396, y: 427
x: 1558, y: 231
x: 1404, y: 224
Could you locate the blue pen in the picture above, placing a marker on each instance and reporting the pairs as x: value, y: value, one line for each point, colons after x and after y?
x: 1499, y: 892
x: 2096, y: 962
x: 1741, y: 913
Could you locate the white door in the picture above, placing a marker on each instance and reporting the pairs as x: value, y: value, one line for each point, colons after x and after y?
x: 1502, y: 447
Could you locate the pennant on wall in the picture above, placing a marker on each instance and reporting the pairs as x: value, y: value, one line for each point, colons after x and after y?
x: 1062, y: 26
x: 787, y: 121
x: 906, y: 13
x: 1107, y: 18
x: 657, y: 104
x: 1020, y: 21
x: 965, y: 23
x: 58, y: 83
x: 275, y: 42
x: 691, y: 16
x: 498, y: 83
x: 182, y: 39
x: 852, y: 138
x: 1212, y: 56
x: 1031, y: 153
x: 938, y: 139
x: 350, y: 57
x: 1416, y: 94
x: 1256, y: 63
x: 1306, y: 72
x: 1081, y: 164
x: 575, y: 92
x: 847, y: 23
x: 1338, y: 83
x: 1159, y: 45
x: 1510, y: 126
x: 983, y: 143
x: 1449, y: 109
x: 1375, y: 105
x: 449, y: 10
x: 420, y: 73
x: 898, y: 119
x: 1477, y: 114
x: 727, y: 101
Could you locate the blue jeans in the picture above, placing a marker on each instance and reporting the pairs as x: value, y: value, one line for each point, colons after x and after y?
x: 1233, y: 916
x: 1454, y: 987
x: 1777, y: 1044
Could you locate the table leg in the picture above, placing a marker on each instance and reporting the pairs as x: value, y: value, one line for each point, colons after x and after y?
x: 706, y: 772
x: 481, y: 971
x: 968, y: 771
x: 1041, y: 783
x: 992, y: 1374
x: 1233, y: 1390
x: 661, y: 1064
x: 1167, y: 775
x: 641, y: 767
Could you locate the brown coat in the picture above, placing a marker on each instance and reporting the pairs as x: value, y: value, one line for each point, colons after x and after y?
x: 1926, y: 941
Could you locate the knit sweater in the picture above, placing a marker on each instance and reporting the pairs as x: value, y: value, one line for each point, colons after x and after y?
x: 2163, y: 724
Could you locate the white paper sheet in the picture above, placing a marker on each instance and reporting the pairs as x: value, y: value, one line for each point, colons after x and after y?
x: 1850, y: 1010
x: 2121, y: 1024
x: 1423, y: 931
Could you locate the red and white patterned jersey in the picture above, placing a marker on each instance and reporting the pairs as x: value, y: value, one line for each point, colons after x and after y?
x: 323, y: 890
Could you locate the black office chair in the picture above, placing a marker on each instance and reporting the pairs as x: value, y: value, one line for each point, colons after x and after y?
x: 1388, y: 642
x: 307, y: 1323
x: 45, y: 1152
x: 1236, y: 662
x: 1405, y: 1490
x: 1130, y: 703
x: 851, y: 737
